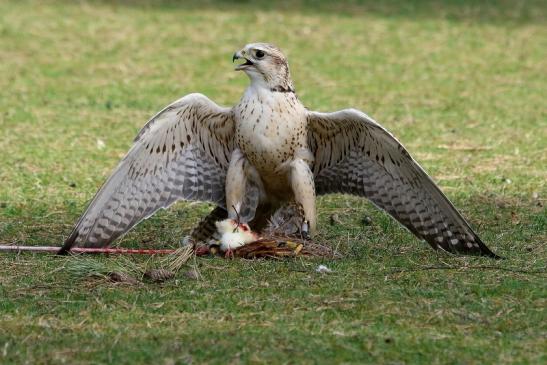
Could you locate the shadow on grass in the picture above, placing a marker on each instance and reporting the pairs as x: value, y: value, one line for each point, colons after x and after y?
x: 488, y: 11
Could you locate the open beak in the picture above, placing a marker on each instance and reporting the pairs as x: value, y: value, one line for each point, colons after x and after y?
x: 241, y: 66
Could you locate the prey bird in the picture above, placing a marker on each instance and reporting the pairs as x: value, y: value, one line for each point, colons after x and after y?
x: 234, y: 234
x: 266, y: 152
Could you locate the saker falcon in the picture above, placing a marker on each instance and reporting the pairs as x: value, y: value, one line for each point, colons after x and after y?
x: 266, y: 152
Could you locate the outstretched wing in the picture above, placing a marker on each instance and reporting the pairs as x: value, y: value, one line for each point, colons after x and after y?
x: 182, y: 153
x: 355, y: 155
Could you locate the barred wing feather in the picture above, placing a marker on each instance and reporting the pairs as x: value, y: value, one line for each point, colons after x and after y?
x: 355, y: 155
x: 182, y: 153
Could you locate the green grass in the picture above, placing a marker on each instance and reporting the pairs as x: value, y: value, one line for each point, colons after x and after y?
x: 462, y: 84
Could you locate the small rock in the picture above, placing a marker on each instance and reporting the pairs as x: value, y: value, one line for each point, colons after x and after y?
x: 335, y: 219
x: 366, y: 221
x: 500, y: 203
x: 192, y: 274
x: 322, y: 269
x: 100, y: 144
x: 515, y: 218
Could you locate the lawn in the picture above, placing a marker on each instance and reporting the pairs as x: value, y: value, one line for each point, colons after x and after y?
x: 462, y: 84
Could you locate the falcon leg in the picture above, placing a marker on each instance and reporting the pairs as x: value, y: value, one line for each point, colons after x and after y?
x: 236, y: 182
x: 244, y: 188
x: 303, y: 187
x: 305, y: 231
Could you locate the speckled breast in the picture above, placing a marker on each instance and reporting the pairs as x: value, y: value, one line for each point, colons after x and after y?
x: 270, y: 127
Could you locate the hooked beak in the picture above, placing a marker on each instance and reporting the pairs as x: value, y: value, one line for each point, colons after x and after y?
x: 242, y: 66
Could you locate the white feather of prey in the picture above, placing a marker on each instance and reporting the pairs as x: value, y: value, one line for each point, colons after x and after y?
x: 234, y: 235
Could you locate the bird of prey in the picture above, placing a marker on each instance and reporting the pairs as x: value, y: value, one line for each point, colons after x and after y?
x: 265, y: 152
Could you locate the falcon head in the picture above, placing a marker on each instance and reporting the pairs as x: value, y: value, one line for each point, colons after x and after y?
x: 265, y: 65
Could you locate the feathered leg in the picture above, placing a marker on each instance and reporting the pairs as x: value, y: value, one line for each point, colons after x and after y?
x: 244, y: 188
x: 236, y: 182
x: 303, y: 187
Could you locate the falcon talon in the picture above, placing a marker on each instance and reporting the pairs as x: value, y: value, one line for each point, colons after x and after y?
x: 267, y: 151
x: 304, y: 232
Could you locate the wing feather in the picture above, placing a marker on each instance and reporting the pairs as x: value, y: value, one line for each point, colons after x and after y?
x: 180, y: 154
x: 355, y: 155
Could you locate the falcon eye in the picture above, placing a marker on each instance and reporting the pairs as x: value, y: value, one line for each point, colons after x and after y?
x: 259, y: 54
